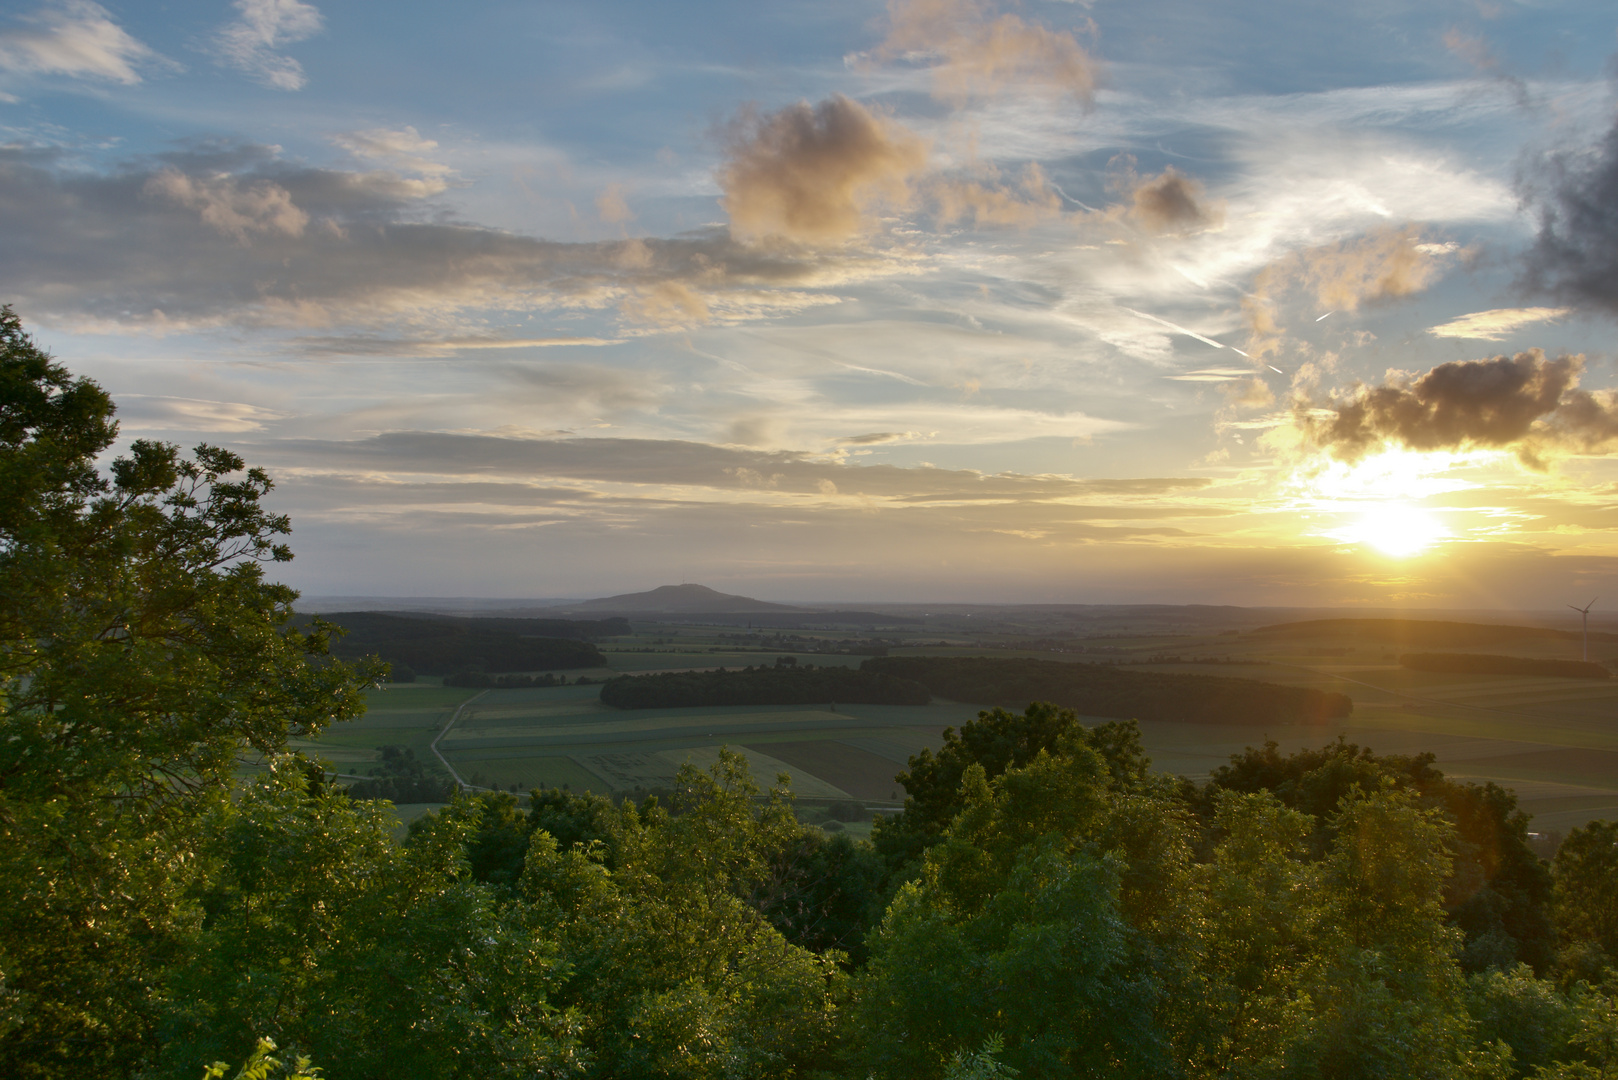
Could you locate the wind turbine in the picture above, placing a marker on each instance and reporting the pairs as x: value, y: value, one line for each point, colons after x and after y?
x: 1585, y: 611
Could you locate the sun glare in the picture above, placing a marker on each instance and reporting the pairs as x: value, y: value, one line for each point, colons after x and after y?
x: 1391, y: 474
x: 1396, y: 530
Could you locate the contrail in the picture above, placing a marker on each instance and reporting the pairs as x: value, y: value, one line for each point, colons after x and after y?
x: 1058, y: 189
x: 1327, y: 313
x: 1181, y: 330
x: 1275, y: 369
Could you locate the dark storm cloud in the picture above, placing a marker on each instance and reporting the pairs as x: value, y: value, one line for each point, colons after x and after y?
x: 1575, y: 257
x: 1526, y: 403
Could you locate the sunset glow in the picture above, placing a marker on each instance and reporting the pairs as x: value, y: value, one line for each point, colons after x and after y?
x: 1397, y: 530
x: 988, y: 301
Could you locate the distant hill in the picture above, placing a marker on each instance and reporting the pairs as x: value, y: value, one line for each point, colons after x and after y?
x: 1425, y: 632
x: 680, y: 600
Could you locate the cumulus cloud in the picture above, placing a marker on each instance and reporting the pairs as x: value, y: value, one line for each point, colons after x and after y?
x: 231, y: 206
x: 408, y: 152
x: 974, y: 54
x: 250, y: 43
x: 612, y: 207
x: 1576, y: 255
x: 1383, y: 264
x: 75, y: 38
x: 1527, y: 403
x: 1496, y: 324
x: 1170, y: 202
x: 1029, y: 202
x: 668, y: 305
x: 816, y: 173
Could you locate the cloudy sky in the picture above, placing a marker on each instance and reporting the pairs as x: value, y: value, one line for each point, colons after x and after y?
x: 1278, y: 302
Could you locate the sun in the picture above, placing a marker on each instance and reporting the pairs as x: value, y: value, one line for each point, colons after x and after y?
x: 1397, y: 530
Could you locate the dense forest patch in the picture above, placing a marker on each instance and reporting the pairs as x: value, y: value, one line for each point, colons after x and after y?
x: 442, y: 646
x: 1104, y: 690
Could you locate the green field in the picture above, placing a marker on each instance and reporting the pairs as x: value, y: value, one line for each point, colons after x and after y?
x: 1553, y: 740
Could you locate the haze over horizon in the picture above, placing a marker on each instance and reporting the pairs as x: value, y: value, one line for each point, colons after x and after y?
x: 934, y: 300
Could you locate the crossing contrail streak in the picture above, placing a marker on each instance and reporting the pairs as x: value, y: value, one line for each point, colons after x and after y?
x: 1177, y: 328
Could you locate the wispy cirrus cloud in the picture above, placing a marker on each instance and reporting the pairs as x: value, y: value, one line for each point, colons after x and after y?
x: 1496, y: 324
x: 251, y: 42
x: 76, y: 38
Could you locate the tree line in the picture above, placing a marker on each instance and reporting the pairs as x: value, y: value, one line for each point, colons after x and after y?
x: 782, y: 684
x: 446, y: 646
x: 1045, y: 906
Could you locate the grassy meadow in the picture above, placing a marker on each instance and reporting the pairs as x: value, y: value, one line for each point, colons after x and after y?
x: 1552, y: 740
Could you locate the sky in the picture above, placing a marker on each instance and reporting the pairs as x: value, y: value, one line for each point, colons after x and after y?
x: 1278, y: 302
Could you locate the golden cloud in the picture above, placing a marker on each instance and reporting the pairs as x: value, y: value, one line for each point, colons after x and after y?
x: 1496, y: 324
x: 974, y: 55
x: 1528, y: 404
x: 815, y: 174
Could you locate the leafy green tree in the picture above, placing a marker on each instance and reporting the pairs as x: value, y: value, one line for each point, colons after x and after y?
x: 141, y: 653
x: 497, y: 846
x: 1586, y: 875
x: 1594, y: 1039
x: 826, y: 893
x: 673, y: 967
x: 1498, y: 892
x: 999, y: 740
x: 1525, y: 1013
x: 264, y: 1065
x: 1254, y: 910
x: 1016, y: 930
x: 381, y: 962
x: 996, y: 741
x: 1386, y: 988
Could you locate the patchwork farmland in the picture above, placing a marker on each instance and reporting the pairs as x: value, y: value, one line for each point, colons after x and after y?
x: 1552, y: 740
